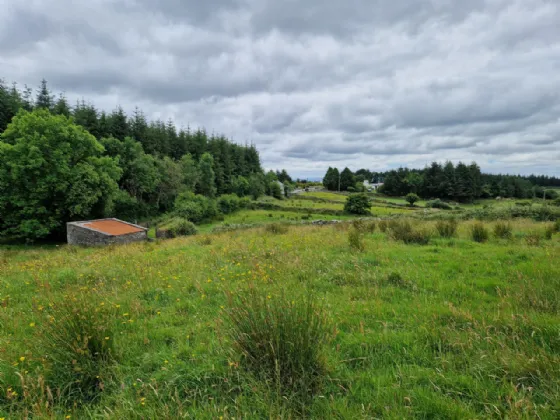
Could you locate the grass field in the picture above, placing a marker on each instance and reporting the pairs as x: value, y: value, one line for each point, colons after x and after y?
x: 452, y: 329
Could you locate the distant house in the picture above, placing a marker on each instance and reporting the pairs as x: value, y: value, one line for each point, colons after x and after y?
x: 104, y: 232
x: 372, y: 187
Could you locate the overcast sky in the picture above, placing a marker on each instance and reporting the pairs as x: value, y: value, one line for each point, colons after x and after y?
x: 313, y: 83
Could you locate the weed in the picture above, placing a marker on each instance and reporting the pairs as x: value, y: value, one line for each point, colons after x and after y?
x: 447, y: 228
x: 479, y: 233
x: 503, y: 230
x: 280, y: 341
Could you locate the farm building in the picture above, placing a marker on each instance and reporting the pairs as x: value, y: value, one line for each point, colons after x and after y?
x: 104, y: 232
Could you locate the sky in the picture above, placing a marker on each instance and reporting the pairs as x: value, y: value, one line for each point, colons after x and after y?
x: 372, y: 84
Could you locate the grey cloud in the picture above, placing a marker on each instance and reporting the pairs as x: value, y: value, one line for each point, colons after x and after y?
x: 362, y: 83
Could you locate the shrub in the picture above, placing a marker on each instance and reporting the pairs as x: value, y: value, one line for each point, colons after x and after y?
x: 183, y: 228
x: 279, y: 340
x: 438, y: 204
x: 195, y: 207
x: 479, y: 233
x: 502, y: 230
x: 412, y: 198
x: 556, y: 226
x: 356, y: 239
x: 77, y: 342
x: 447, y: 228
x: 276, y: 228
x: 402, y: 230
x: 556, y: 202
x: 549, y: 231
x: 228, y: 203
x: 357, y: 204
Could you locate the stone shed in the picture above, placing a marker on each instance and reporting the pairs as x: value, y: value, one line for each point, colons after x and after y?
x: 104, y: 232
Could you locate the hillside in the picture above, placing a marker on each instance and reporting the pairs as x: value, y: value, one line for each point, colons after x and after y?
x: 453, y: 329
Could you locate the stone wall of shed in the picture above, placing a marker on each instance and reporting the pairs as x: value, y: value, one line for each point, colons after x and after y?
x: 77, y: 235
x: 128, y: 238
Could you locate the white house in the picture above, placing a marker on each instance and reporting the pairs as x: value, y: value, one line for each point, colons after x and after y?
x: 372, y: 187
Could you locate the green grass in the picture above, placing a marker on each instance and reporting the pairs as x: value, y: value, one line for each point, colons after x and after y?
x: 452, y: 329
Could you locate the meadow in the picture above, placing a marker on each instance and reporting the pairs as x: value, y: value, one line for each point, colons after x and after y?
x: 172, y: 329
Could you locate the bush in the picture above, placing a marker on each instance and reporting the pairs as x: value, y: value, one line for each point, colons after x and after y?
x: 280, y: 340
x: 356, y: 239
x: 276, y: 228
x: 412, y: 198
x: 479, y: 233
x: 182, y: 227
x: 228, y: 203
x: 438, y: 204
x: 557, y: 225
x: 502, y: 230
x: 77, y: 342
x: 195, y: 207
x: 402, y: 230
x: 447, y: 228
x: 357, y: 204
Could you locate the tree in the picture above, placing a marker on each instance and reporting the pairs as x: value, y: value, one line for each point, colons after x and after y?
x: 412, y: 198
x: 256, y: 185
x: 207, y: 179
x: 357, y: 204
x: 240, y: 186
x: 331, y: 179
x: 61, y: 106
x: 277, y: 190
x: 346, y: 179
x: 190, y: 172
x: 44, y: 98
x: 51, y: 171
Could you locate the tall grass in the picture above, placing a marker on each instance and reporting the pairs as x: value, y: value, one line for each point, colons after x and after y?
x: 77, y: 342
x: 280, y: 340
x: 402, y: 230
x: 356, y: 239
x: 479, y: 233
x: 447, y: 228
x: 502, y: 230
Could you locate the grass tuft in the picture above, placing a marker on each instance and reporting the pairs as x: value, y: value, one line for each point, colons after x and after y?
x: 77, y: 342
x: 280, y: 341
x: 356, y: 239
x: 276, y: 228
x: 402, y: 230
x: 447, y: 228
x: 503, y: 230
x: 479, y: 233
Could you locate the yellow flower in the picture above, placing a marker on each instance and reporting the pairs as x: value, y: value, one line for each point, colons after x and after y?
x: 106, y: 338
x: 22, y: 358
x: 31, y: 324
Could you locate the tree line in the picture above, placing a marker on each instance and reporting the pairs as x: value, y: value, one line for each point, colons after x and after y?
x: 60, y: 163
x: 460, y: 182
